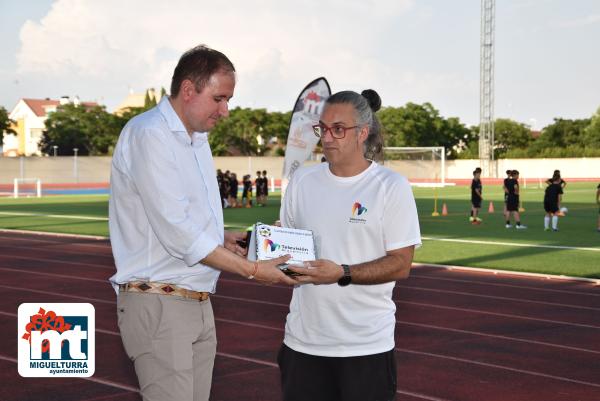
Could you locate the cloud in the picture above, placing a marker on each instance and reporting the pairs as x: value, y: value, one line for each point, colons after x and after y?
x: 578, y: 22
x: 103, y: 48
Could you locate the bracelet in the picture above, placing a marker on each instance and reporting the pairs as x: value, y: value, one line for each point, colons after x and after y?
x: 250, y: 277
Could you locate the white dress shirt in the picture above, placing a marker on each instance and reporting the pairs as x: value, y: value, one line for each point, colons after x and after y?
x: 165, y: 209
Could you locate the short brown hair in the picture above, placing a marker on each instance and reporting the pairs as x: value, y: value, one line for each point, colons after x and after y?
x: 198, y: 65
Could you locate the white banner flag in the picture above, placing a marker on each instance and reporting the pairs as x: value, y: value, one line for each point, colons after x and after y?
x: 301, y: 139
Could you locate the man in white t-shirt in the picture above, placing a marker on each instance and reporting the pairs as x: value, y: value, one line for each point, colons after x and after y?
x: 339, y: 336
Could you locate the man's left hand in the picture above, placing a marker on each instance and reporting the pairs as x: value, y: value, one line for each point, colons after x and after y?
x: 320, y: 271
x: 231, y: 242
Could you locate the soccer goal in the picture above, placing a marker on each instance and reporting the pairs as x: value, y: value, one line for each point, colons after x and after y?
x: 423, y: 166
x: 27, y: 187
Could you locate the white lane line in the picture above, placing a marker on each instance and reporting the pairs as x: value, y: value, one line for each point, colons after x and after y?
x: 507, y: 315
x: 521, y: 300
x: 91, y: 379
x: 501, y: 337
x: 405, y: 302
x: 55, y: 216
x: 495, y: 366
x: 53, y: 235
x: 69, y: 277
x: 489, y: 283
x: 50, y: 249
x: 488, y: 270
x: 56, y: 261
x: 421, y: 396
x: 104, y: 281
x: 516, y: 244
x: 421, y: 353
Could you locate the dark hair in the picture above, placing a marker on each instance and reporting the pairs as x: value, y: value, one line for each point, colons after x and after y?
x: 198, y: 65
x: 264, y: 172
x: 477, y: 170
x: 365, y: 105
x: 508, y: 172
x: 514, y: 172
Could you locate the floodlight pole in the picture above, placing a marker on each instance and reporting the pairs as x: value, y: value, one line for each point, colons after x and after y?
x: 486, y: 94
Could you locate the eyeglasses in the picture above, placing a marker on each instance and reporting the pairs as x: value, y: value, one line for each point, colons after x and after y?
x: 337, y: 131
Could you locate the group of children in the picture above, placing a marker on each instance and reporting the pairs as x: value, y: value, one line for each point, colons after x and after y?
x: 228, y: 189
x: 552, y: 199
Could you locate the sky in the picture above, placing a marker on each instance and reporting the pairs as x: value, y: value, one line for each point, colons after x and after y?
x: 547, y: 52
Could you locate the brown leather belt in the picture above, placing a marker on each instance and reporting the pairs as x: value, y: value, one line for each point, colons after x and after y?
x: 162, y: 289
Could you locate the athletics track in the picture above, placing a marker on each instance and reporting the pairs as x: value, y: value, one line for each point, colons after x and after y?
x: 460, y: 336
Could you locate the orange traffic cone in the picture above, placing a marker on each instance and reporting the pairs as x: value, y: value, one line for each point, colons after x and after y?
x: 491, y: 208
x: 444, y: 210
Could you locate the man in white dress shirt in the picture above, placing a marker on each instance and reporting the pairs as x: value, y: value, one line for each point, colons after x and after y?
x: 167, y: 232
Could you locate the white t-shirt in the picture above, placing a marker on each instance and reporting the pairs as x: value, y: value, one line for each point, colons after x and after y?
x: 354, y: 220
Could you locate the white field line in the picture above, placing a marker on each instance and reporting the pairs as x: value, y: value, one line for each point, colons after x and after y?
x: 516, y: 244
x: 57, y: 216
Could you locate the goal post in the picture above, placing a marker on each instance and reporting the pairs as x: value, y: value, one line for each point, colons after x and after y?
x: 422, y: 166
x: 27, y: 187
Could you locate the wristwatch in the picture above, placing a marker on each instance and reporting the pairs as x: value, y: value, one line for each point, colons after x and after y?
x: 346, y: 278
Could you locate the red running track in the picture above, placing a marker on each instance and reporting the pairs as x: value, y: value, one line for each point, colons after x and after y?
x: 460, y: 335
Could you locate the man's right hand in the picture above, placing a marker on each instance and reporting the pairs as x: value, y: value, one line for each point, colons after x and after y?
x: 269, y: 273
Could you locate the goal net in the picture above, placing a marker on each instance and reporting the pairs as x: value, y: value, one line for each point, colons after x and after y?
x: 27, y: 187
x: 423, y: 166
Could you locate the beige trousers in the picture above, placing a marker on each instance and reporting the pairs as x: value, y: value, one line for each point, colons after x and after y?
x: 172, y: 342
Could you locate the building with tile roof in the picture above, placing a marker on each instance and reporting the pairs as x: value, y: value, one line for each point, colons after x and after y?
x: 29, y: 116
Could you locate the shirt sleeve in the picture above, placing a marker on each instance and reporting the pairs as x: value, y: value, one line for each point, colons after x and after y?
x: 286, y: 215
x: 400, y: 219
x: 156, y: 176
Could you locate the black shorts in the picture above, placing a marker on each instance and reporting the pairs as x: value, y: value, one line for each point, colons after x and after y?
x: 512, y: 203
x: 307, y: 377
x: 551, y: 207
x: 476, y: 202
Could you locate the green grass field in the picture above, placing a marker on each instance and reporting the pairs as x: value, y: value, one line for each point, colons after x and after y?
x: 573, y: 251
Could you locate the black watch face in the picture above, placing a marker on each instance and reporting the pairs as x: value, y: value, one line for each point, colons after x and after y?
x: 344, y: 281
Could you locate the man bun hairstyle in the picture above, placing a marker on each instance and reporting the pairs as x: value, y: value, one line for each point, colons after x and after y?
x: 365, y: 105
x: 198, y: 65
x: 373, y: 99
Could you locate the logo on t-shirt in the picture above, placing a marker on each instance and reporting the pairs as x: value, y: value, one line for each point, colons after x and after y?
x: 357, y: 207
x: 358, y: 210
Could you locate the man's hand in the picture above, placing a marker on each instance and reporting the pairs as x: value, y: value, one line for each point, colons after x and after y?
x: 321, y: 271
x: 230, y: 243
x: 269, y: 273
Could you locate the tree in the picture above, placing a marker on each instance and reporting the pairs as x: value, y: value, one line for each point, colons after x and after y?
x: 591, y: 134
x: 93, y: 131
x: 149, y: 99
x: 510, y: 135
x: 5, y: 124
x: 421, y: 125
x: 562, y: 133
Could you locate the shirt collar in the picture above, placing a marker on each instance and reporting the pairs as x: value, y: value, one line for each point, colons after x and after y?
x: 176, y: 126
